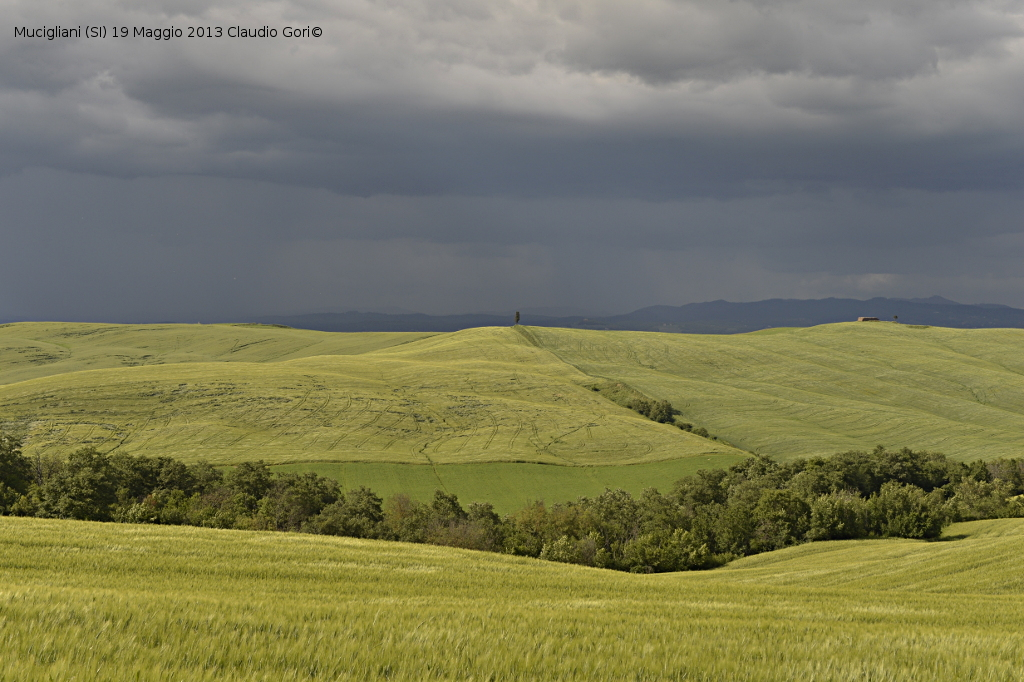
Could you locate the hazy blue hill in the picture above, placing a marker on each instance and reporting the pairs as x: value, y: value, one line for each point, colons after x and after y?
x: 723, y: 317
x: 405, y: 322
x: 714, y: 317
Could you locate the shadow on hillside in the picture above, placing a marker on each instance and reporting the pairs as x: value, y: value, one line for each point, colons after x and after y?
x: 951, y: 538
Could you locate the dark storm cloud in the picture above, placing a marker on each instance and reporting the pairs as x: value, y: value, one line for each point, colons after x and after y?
x: 719, y: 40
x: 652, y: 98
x: 194, y: 248
x: 461, y: 155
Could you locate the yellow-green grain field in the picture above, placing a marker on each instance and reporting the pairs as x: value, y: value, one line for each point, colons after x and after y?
x: 481, y: 395
x: 367, y: 405
x: 86, y: 601
x: 826, y: 389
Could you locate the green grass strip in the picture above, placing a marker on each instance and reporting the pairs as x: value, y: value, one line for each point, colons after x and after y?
x: 508, y: 485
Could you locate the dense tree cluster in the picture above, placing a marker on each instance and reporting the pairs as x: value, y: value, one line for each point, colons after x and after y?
x: 660, y: 411
x: 705, y: 520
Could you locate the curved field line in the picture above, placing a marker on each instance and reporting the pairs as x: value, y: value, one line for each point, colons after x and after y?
x: 443, y: 437
x: 344, y: 433
x: 376, y: 416
x: 535, y: 437
x: 345, y: 408
x: 49, y: 427
x: 214, y: 434
x: 177, y: 431
x: 88, y: 434
x: 320, y: 409
x: 419, y: 431
x: 237, y: 440
x: 131, y: 433
x: 294, y: 407
x: 303, y: 418
x: 465, y: 439
x: 469, y: 432
x: 519, y: 428
x: 143, y: 444
x: 313, y: 414
x: 288, y: 411
x: 560, y: 437
x: 243, y: 407
x: 494, y: 431
x: 109, y: 437
x: 370, y: 424
x: 201, y: 429
x: 402, y: 417
x: 434, y: 439
x: 279, y: 420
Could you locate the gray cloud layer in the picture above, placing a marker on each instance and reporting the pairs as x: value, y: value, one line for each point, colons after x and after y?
x: 463, y: 155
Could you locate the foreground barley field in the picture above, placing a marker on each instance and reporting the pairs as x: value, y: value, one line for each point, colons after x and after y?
x: 119, y: 602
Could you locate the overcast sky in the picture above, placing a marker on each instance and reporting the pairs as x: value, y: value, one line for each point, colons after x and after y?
x: 452, y: 156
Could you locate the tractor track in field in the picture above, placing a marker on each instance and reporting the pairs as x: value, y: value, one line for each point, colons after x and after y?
x: 344, y: 433
x: 515, y: 434
x: 403, y: 416
x: 494, y: 431
x: 312, y: 416
x: 131, y: 433
x: 49, y: 427
x: 569, y: 433
x: 142, y: 446
x: 279, y: 421
x: 368, y: 425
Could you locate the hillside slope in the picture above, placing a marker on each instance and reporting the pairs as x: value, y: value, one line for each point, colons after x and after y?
x: 498, y: 394
x: 483, y: 395
x: 122, y: 602
x: 821, y: 390
x: 30, y: 350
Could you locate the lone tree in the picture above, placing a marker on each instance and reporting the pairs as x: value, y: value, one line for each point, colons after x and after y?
x: 896, y: 319
x: 517, y: 317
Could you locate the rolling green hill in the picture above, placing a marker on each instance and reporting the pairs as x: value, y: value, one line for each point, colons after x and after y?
x: 121, y: 602
x: 480, y: 395
x: 364, y: 406
x: 821, y: 390
x: 30, y: 350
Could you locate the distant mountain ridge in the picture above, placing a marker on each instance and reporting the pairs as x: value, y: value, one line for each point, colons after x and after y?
x: 713, y: 317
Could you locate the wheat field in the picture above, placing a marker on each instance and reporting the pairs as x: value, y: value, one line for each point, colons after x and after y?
x: 88, y: 601
x: 361, y: 407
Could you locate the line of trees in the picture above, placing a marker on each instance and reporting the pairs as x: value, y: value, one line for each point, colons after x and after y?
x: 660, y: 411
x: 704, y: 520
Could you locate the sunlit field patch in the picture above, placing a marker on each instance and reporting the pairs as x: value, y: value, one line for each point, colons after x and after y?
x: 364, y: 405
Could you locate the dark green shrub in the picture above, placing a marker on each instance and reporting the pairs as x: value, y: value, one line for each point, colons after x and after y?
x: 84, y: 487
x: 838, y: 515
x: 15, y: 472
x: 780, y: 518
x: 358, y: 513
x: 250, y: 478
x: 293, y: 499
x: 905, y: 511
x: 974, y: 499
